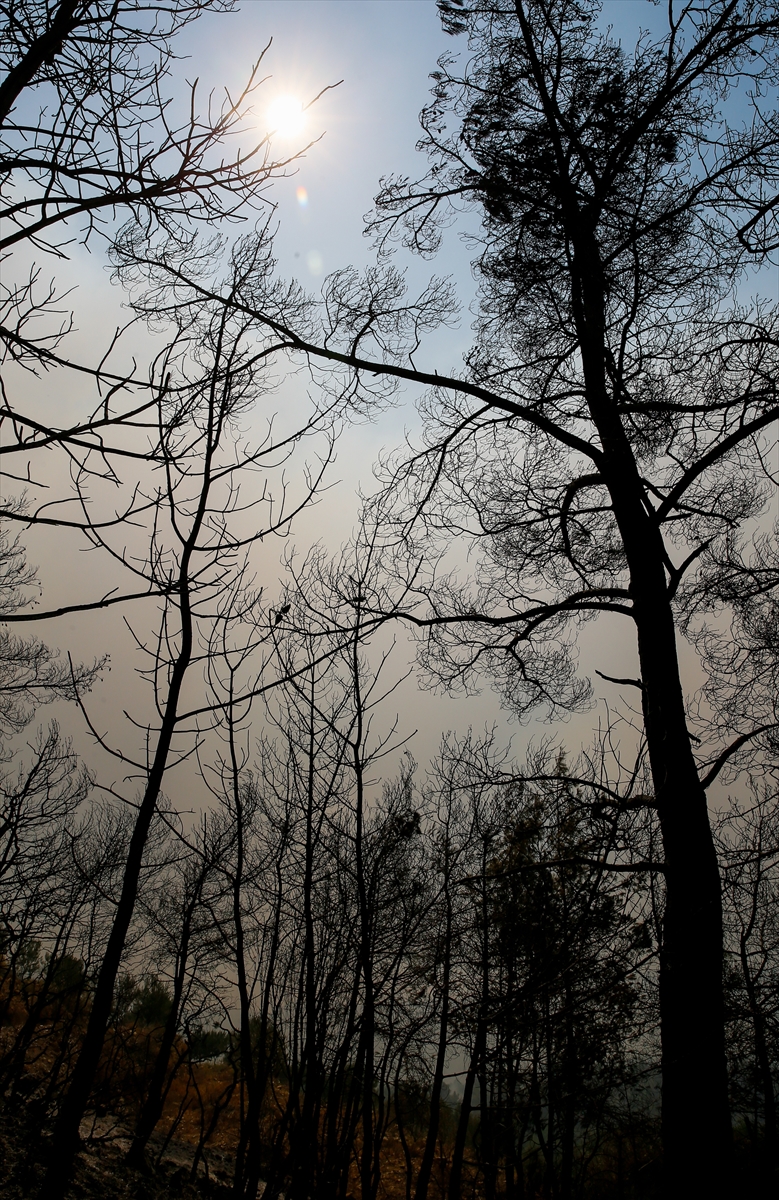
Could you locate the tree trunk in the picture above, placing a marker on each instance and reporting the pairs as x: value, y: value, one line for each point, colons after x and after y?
x: 696, y: 1127
x: 466, y: 1108
x: 248, y: 1078
x: 695, y: 1116
x: 268, y: 1044
x: 568, y: 1077
x: 66, y: 1139
x: 155, y: 1097
x: 303, y: 1139
x: 426, y: 1166
x: 762, y: 1062
x: 368, y: 1031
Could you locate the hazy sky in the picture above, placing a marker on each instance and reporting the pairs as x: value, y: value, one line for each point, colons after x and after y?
x: 384, y: 51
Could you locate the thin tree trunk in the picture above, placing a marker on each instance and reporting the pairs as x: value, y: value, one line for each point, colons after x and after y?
x: 466, y: 1108
x: 248, y: 1080
x: 155, y: 1096
x: 487, y: 1133
x: 267, y: 1052
x: 66, y: 1138
x: 548, y: 1144
x: 66, y: 1132
x: 336, y: 1153
x: 402, y: 1130
x: 568, y: 1098
x: 304, y: 1139
x: 426, y: 1166
x: 368, y: 1031
x: 762, y: 1059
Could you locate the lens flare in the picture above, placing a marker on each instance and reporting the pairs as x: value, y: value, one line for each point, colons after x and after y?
x: 286, y: 117
x: 314, y: 262
x: 302, y: 196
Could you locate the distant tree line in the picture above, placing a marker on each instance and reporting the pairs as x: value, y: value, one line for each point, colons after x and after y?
x: 446, y: 990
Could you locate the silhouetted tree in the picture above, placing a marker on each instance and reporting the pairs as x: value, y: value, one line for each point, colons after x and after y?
x: 748, y: 838
x: 88, y: 136
x: 565, y: 1006
x: 608, y: 438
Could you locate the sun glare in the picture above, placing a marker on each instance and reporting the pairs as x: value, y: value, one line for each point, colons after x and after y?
x: 286, y: 117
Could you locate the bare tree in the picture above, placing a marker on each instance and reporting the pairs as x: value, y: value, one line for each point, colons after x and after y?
x: 610, y: 433
x: 178, y: 913
x: 90, y: 137
x: 210, y: 372
x: 43, y: 791
x: 93, y: 134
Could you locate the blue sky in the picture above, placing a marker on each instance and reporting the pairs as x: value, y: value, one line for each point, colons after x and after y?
x: 384, y: 51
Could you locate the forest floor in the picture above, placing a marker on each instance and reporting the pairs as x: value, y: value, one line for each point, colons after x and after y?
x: 101, y: 1171
x: 202, y: 1109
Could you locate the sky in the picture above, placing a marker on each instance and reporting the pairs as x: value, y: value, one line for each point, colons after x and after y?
x: 383, y: 53
x: 380, y: 54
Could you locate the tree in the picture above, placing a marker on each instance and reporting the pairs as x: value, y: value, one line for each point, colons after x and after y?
x: 212, y: 370
x: 43, y: 790
x: 605, y: 447
x: 183, y: 918
x: 568, y: 951
x: 352, y: 867
x: 90, y: 138
x: 747, y: 836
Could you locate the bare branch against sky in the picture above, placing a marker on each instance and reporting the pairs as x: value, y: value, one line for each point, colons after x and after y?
x: 388, y: 598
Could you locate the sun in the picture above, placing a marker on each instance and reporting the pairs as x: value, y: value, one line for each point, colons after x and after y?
x: 286, y: 116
